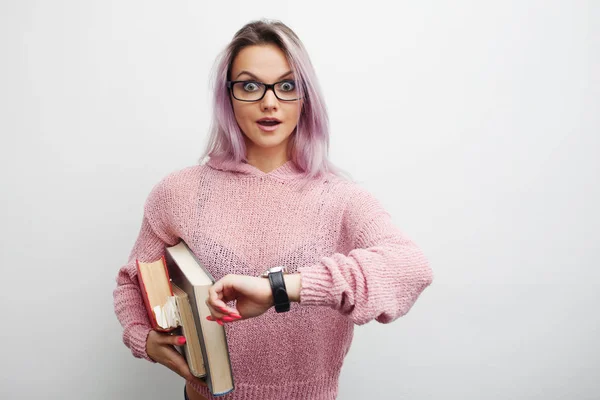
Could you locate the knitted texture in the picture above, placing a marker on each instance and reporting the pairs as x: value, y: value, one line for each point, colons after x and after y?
x: 356, y: 266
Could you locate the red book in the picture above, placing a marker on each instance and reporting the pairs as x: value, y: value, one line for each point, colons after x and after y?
x: 157, y: 293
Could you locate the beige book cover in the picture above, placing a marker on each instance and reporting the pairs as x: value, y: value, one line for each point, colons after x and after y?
x: 192, y: 350
x: 188, y: 274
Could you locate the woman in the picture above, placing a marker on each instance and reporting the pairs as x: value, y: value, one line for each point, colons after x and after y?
x: 269, y: 197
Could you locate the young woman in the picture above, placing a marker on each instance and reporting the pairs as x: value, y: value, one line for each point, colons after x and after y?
x: 265, y: 195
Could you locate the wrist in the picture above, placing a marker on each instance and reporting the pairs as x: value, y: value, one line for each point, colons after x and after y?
x: 293, y: 285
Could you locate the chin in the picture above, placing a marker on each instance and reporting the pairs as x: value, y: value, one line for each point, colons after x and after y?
x: 269, y: 139
x: 268, y: 144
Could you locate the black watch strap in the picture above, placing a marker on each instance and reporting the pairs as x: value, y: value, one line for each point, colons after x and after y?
x: 280, y: 296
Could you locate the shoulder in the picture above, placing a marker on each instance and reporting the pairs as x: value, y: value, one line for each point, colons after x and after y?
x: 176, y: 186
x: 353, y: 196
x: 356, y: 209
x: 181, y: 179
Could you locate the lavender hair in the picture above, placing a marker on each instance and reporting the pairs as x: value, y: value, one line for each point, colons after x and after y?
x: 309, y: 142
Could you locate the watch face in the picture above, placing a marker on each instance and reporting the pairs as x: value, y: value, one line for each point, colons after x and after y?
x: 274, y: 269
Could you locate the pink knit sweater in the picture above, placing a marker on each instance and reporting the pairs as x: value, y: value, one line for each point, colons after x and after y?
x: 356, y: 266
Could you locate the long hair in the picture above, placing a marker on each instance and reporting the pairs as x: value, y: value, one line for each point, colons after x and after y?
x: 309, y: 142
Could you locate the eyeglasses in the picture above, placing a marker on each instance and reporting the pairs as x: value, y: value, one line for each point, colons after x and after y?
x: 253, y: 90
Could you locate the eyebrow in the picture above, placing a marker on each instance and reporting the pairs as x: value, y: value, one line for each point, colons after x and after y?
x: 257, y: 78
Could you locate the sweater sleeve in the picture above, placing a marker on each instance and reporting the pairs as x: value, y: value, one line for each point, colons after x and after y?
x: 382, y: 275
x: 149, y: 246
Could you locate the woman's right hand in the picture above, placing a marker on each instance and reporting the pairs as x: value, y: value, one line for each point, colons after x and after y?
x: 159, y: 347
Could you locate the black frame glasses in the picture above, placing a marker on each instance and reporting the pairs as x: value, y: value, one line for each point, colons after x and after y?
x: 266, y: 87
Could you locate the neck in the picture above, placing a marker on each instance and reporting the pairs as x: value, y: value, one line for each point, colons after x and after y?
x: 267, y: 159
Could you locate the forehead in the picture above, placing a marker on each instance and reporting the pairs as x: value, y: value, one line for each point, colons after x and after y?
x: 267, y: 62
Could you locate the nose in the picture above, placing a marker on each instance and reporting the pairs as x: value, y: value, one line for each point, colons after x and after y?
x: 269, y: 101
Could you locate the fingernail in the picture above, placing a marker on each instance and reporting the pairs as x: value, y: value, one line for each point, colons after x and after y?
x: 236, y: 316
x: 228, y: 318
x: 210, y: 318
x: 181, y: 340
x: 220, y: 322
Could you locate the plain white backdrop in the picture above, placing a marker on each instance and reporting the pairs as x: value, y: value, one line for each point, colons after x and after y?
x: 475, y: 123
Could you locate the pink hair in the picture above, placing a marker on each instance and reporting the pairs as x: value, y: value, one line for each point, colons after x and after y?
x: 309, y: 142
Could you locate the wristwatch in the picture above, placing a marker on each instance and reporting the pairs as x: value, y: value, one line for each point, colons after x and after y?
x: 280, y: 296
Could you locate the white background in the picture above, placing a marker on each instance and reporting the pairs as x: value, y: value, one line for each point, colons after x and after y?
x: 475, y: 123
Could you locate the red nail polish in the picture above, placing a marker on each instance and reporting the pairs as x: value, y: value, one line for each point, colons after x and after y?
x: 210, y: 318
x: 228, y: 318
x: 181, y: 340
x: 220, y: 322
x: 236, y: 316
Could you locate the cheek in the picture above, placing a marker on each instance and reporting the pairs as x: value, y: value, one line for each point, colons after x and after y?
x: 293, y: 113
x: 242, y: 114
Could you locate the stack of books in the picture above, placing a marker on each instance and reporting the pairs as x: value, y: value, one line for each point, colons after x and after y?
x: 175, y: 289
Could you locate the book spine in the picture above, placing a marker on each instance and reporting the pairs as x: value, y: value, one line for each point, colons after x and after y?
x: 144, y: 292
x: 164, y: 261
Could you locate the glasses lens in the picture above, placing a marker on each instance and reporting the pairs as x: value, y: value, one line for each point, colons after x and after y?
x: 286, y: 90
x: 248, y: 91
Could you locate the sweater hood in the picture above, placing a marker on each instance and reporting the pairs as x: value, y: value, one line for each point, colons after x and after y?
x: 285, y: 172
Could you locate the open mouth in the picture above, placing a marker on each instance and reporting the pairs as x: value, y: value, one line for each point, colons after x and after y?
x: 269, y: 123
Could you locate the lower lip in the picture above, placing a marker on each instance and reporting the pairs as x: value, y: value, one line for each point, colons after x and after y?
x: 268, y: 128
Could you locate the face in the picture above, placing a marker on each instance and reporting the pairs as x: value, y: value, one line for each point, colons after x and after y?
x: 266, y: 64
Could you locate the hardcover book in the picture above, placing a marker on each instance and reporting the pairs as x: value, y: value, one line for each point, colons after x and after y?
x: 188, y: 274
x: 175, y: 290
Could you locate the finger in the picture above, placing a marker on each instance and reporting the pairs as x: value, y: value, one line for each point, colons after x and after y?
x: 218, y: 308
x: 231, y: 318
x: 175, y: 340
x: 215, y: 294
x: 200, y: 381
x: 225, y: 309
x: 179, y: 365
x: 217, y: 299
x: 168, y: 337
x: 182, y: 368
x: 230, y: 311
x: 215, y: 314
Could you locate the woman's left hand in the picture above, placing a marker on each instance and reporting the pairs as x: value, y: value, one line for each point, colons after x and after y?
x: 253, y: 297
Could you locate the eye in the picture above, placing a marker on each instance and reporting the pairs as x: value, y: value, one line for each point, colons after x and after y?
x: 250, y: 86
x: 287, y: 86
